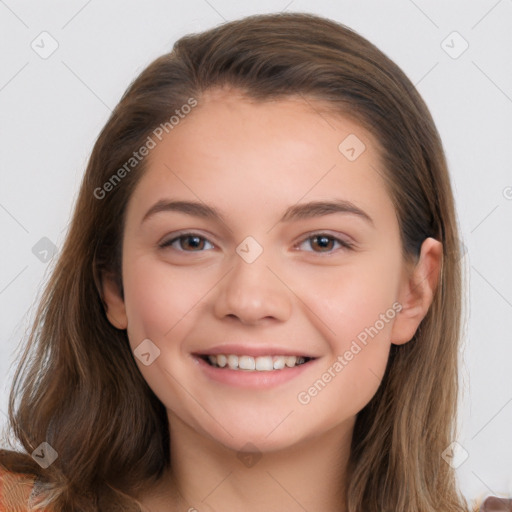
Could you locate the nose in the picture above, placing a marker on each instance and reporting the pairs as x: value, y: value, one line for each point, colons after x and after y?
x: 253, y: 293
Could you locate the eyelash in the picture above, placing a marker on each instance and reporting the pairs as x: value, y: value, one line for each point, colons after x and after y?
x: 344, y: 244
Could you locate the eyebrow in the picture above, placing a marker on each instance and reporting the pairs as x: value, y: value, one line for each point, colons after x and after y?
x: 293, y: 213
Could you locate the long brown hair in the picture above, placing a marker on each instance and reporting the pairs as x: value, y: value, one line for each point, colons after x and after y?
x: 77, y: 386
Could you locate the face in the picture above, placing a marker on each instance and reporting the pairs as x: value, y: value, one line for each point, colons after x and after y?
x: 292, y: 249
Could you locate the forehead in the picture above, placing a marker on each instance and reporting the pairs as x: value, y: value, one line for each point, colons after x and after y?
x: 228, y: 125
x: 298, y: 118
x: 246, y: 153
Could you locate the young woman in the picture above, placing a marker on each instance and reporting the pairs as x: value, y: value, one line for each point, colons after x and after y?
x: 257, y: 305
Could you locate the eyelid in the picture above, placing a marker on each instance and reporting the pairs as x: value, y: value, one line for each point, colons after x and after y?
x: 345, y: 244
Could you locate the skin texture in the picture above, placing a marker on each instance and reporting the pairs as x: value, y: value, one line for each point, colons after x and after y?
x: 252, y: 161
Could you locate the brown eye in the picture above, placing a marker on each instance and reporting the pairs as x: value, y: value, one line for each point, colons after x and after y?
x: 325, y: 243
x: 187, y: 242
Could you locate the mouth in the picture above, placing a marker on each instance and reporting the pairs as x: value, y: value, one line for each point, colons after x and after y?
x: 254, y: 364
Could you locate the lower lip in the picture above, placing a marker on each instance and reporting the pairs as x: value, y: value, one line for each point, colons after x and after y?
x: 252, y: 379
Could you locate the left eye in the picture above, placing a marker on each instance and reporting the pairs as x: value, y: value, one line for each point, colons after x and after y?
x: 325, y: 242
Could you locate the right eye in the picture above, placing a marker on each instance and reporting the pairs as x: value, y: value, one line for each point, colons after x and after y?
x: 186, y: 241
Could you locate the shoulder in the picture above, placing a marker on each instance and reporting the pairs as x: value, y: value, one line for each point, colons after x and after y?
x: 15, y: 490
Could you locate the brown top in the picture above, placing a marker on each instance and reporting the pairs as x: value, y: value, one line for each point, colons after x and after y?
x: 16, y: 491
x: 495, y: 504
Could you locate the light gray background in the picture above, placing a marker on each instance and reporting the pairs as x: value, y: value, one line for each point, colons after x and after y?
x: 52, y: 110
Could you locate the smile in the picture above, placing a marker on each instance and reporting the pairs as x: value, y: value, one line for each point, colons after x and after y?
x: 256, y: 372
x: 255, y: 364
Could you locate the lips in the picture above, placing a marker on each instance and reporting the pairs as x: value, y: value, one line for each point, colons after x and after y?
x: 256, y: 373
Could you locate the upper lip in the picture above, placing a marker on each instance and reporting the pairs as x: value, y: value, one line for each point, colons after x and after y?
x: 254, y: 351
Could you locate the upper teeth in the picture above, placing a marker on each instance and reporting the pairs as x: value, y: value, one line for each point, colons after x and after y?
x: 261, y: 363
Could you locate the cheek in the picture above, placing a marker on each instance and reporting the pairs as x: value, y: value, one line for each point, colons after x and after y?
x: 162, y: 303
x: 355, y: 310
x: 353, y: 370
x: 160, y: 307
x: 346, y: 386
x: 155, y: 301
x: 368, y: 312
x: 357, y: 301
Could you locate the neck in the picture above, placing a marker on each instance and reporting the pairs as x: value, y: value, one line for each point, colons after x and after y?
x: 209, y: 477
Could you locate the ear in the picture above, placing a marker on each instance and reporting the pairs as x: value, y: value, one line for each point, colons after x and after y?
x: 417, y: 291
x: 114, y: 303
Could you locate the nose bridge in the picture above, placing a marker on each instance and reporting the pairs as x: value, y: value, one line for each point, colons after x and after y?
x: 251, y: 291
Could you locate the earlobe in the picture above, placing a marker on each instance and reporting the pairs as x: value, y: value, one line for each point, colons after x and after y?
x: 114, y: 304
x: 417, y: 291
